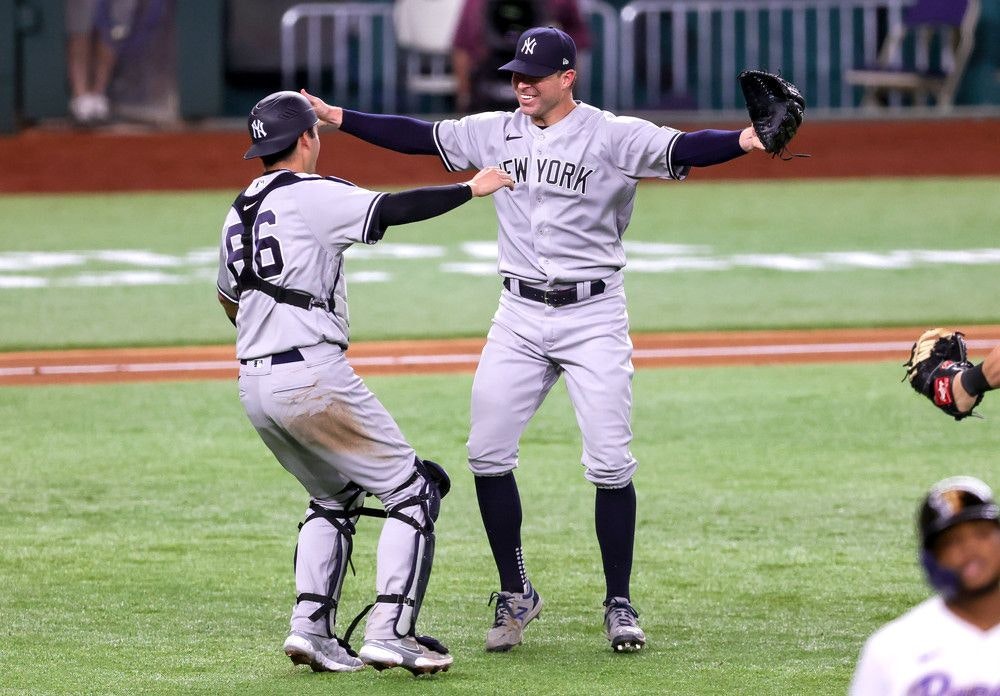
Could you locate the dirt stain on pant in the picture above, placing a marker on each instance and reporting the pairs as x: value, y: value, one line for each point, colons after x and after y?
x: 324, y: 420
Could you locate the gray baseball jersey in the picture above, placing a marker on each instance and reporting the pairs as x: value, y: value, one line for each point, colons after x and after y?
x: 561, y: 227
x: 300, y: 234
x: 575, y: 185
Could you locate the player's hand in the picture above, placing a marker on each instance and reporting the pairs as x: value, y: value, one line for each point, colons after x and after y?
x: 327, y: 115
x: 488, y: 180
x: 749, y: 140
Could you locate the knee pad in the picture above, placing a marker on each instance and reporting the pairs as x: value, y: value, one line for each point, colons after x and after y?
x: 340, y: 549
x: 434, y: 472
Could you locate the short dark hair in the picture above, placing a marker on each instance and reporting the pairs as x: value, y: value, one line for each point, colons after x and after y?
x: 273, y: 159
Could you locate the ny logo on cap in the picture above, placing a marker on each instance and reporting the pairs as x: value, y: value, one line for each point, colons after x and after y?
x: 529, y: 46
x: 258, y: 129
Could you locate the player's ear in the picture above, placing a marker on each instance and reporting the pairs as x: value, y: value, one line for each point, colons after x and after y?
x: 568, y: 79
x: 307, y: 139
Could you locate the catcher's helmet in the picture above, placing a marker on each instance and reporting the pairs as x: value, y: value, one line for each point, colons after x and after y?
x: 276, y: 121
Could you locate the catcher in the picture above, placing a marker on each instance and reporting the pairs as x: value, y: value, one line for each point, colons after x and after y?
x: 939, y: 369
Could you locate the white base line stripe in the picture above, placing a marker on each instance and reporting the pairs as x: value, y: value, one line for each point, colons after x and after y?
x: 388, y: 360
x: 899, y: 347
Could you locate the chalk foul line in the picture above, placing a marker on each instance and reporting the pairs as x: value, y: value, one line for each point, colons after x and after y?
x: 421, y: 362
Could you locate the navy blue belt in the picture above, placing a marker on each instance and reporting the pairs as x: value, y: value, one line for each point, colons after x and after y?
x: 554, y: 298
x: 288, y: 356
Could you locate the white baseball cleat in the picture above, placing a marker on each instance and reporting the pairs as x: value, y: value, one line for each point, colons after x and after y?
x: 420, y: 656
x: 321, y: 654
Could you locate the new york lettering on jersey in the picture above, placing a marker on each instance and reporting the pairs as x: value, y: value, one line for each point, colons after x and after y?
x: 567, y: 175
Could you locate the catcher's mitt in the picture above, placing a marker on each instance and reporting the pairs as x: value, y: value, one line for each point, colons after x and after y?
x: 936, y: 359
x: 776, y: 107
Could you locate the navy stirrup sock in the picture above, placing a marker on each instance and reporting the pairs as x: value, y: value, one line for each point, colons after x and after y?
x: 614, y: 518
x: 500, y: 507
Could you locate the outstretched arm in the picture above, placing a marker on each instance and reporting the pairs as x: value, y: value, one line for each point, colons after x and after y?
x: 410, y: 136
x: 704, y: 148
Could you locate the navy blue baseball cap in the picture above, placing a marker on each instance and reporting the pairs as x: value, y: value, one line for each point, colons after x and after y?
x: 542, y: 51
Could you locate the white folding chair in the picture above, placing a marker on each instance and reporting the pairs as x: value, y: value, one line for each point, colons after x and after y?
x: 424, y: 32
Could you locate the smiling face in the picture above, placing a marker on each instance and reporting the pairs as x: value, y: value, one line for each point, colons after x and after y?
x: 972, y: 551
x: 546, y: 100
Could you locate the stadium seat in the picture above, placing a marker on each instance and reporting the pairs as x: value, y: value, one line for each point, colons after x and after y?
x: 953, y: 22
x: 424, y: 32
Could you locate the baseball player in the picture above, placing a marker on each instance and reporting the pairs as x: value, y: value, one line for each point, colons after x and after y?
x: 949, y: 644
x: 281, y: 281
x: 562, y: 306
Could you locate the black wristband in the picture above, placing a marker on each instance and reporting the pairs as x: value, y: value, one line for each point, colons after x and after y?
x: 974, y: 381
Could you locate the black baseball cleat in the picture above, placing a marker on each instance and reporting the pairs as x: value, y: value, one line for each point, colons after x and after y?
x: 621, y: 626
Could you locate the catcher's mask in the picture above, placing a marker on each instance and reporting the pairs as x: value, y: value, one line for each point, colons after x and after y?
x: 951, y: 501
x: 276, y: 121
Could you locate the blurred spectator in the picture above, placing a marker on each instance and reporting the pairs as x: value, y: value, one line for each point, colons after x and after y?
x: 118, y: 52
x: 484, y: 40
x: 90, y: 60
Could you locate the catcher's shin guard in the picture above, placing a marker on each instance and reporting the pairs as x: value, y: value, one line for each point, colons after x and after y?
x: 322, y: 556
x: 406, y: 551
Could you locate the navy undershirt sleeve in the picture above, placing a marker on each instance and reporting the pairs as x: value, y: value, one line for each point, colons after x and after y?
x: 415, y: 205
x: 704, y: 148
x: 400, y: 133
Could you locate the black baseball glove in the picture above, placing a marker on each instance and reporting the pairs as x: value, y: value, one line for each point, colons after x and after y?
x: 936, y: 359
x: 776, y: 107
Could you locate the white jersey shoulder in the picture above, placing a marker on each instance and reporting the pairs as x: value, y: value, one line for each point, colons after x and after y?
x: 929, y: 651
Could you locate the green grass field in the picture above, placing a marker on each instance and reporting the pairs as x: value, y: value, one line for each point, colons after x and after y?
x: 63, y: 287
x: 147, y: 537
